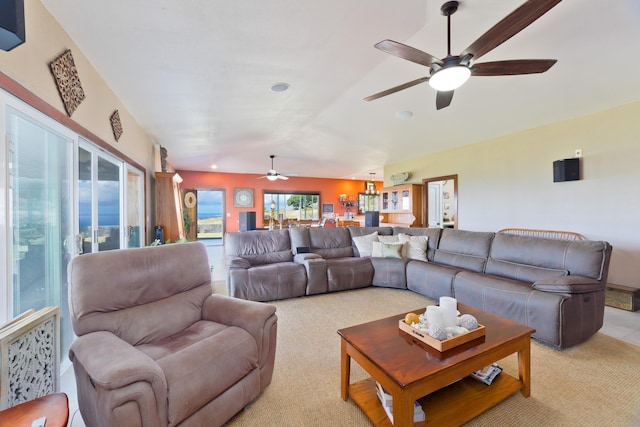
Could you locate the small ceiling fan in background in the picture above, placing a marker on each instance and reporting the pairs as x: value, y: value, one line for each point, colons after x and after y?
x: 450, y: 72
x: 272, y: 175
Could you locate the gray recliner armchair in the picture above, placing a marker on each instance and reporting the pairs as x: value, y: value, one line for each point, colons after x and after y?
x: 156, y: 348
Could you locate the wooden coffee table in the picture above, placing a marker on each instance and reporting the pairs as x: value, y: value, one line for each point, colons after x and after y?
x: 411, y: 370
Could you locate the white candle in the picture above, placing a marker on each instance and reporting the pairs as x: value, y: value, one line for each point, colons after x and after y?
x: 449, y: 307
x: 434, y: 315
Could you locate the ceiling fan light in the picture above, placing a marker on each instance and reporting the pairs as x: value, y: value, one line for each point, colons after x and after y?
x: 272, y: 177
x: 449, y: 78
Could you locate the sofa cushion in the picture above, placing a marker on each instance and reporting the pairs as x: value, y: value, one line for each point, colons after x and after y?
x: 364, y: 244
x: 514, y: 300
x: 579, y: 258
x: 202, y: 361
x: 259, y: 247
x: 415, y: 246
x: 268, y: 282
x: 526, y: 273
x: 430, y: 279
x: 331, y: 242
x: 389, y: 272
x: 349, y: 273
x: 464, y: 249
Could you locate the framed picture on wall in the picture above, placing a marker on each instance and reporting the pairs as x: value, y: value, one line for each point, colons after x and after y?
x: 243, y: 197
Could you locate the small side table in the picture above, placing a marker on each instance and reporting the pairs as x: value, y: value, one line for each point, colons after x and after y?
x: 53, y: 406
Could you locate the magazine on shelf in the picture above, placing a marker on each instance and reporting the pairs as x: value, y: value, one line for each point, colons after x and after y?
x: 387, y: 403
x: 487, y: 374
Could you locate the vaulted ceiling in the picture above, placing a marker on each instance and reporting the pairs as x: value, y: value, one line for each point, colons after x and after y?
x: 197, y: 76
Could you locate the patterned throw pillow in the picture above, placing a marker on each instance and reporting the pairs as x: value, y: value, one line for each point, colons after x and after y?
x: 387, y: 250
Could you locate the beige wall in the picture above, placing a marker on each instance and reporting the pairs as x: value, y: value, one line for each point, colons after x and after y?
x: 508, y: 182
x: 28, y: 64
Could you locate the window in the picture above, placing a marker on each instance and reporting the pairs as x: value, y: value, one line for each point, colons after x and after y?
x: 291, y: 207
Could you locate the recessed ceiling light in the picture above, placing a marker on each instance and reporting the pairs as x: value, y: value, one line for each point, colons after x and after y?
x: 280, y: 87
x: 406, y: 114
x: 214, y: 166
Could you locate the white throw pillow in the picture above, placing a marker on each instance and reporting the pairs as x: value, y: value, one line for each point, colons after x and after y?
x: 415, y: 247
x: 364, y: 244
x: 388, y: 239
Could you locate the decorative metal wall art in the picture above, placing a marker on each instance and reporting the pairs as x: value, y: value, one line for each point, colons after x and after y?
x: 116, y: 125
x: 66, y: 76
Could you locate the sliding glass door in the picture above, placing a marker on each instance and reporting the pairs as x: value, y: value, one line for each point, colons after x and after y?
x: 41, y: 213
x: 99, y: 200
x: 62, y: 196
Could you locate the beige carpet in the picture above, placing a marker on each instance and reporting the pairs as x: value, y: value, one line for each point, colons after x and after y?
x: 594, y: 384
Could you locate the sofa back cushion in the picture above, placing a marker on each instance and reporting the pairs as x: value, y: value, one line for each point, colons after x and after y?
x: 464, y: 249
x: 578, y: 258
x: 433, y: 235
x: 330, y: 242
x: 141, y: 294
x: 259, y: 247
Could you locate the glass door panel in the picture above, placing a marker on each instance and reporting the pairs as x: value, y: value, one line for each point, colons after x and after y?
x: 41, y: 215
x: 108, y: 205
x: 85, y: 201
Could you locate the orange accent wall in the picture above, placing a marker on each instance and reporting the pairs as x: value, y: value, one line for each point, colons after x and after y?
x: 329, y: 189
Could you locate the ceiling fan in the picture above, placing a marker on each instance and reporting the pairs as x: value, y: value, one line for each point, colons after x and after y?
x: 272, y: 175
x: 450, y: 72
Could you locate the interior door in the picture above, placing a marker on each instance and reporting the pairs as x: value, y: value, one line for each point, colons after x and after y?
x: 435, y: 204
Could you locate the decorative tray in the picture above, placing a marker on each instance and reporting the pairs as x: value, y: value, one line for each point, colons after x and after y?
x: 442, y: 345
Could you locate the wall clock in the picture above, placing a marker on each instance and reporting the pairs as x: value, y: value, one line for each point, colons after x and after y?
x: 243, y: 197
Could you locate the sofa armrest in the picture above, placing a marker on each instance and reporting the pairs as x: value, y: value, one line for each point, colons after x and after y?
x: 251, y: 316
x: 316, y: 268
x: 113, y: 363
x: 301, y: 258
x: 568, y: 285
x: 237, y: 262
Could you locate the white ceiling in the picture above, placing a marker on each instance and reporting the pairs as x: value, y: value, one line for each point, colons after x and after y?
x: 196, y: 75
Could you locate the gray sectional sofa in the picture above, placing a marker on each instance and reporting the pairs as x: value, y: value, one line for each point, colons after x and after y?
x: 554, y: 286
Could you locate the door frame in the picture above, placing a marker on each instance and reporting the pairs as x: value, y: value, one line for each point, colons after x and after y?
x: 425, y: 198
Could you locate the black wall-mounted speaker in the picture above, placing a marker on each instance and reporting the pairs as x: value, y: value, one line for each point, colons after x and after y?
x: 11, y: 24
x: 566, y: 170
x: 247, y: 221
x: 372, y: 219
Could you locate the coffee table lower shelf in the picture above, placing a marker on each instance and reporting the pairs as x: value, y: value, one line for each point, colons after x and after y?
x: 451, y: 406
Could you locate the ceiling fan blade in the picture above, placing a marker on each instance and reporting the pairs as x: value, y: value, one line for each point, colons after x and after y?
x: 443, y: 99
x: 396, y: 89
x: 515, y: 22
x: 513, y: 67
x: 282, y: 177
x: 407, y: 52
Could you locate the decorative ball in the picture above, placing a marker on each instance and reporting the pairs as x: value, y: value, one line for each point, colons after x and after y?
x: 468, y: 321
x: 437, y: 332
x: 411, y: 318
